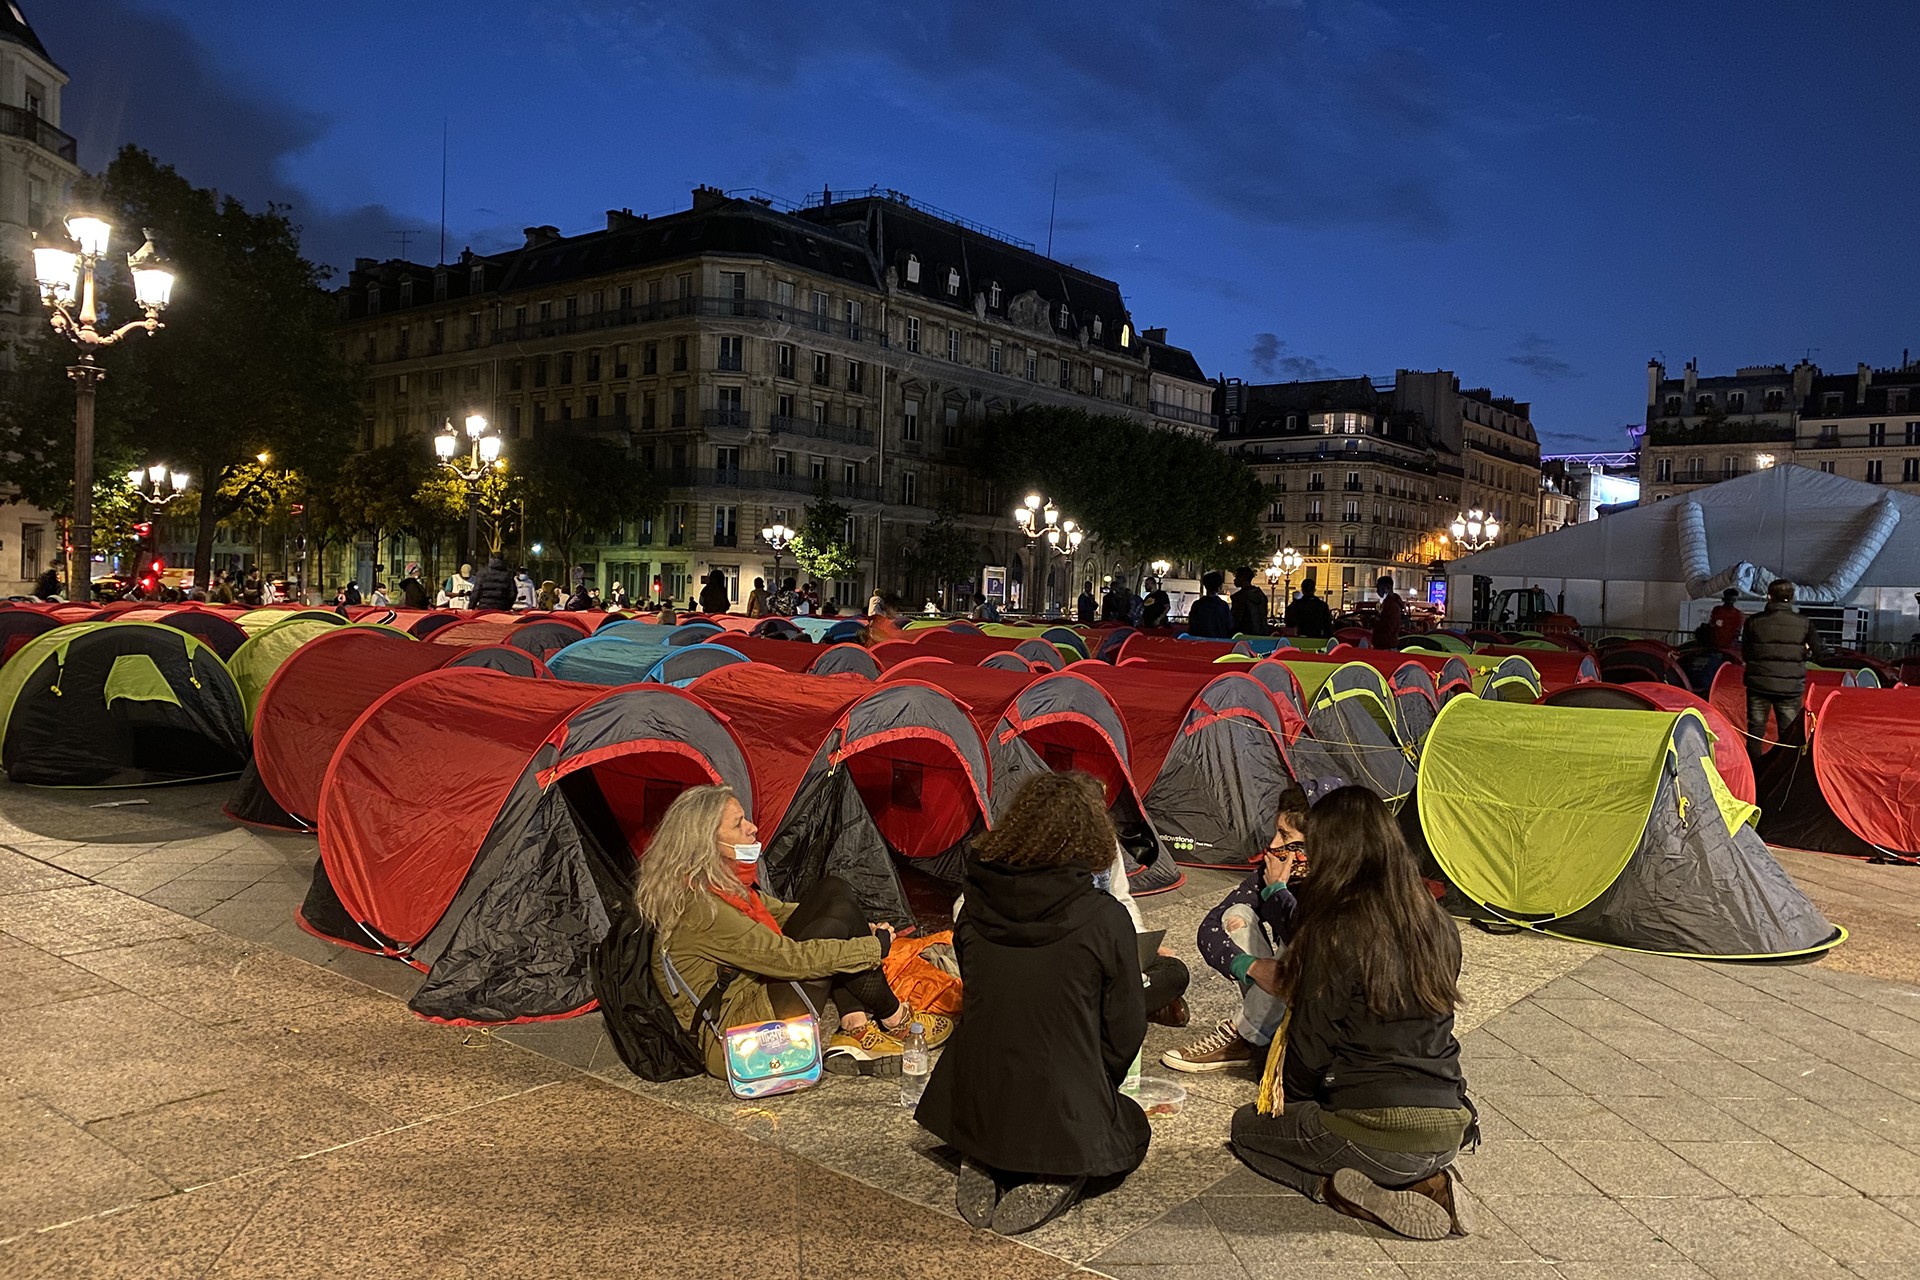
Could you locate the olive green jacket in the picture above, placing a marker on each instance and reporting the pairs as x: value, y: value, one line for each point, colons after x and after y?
x: 711, y: 933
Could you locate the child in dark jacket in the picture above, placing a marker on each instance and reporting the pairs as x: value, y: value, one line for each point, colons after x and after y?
x: 1253, y: 923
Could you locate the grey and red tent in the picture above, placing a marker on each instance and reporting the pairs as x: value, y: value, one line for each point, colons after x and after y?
x: 848, y: 772
x: 802, y: 657
x: 1209, y: 755
x: 978, y: 650
x: 21, y: 623
x: 1035, y: 722
x: 542, y: 637
x: 1855, y: 788
x: 475, y: 826
x: 217, y: 630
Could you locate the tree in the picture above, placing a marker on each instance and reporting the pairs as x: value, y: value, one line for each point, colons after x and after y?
x: 820, y: 547
x: 246, y: 362
x: 575, y: 485
x: 945, y: 552
x: 1143, y: 493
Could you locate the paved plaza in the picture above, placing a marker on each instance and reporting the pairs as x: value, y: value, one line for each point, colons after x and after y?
x: 192, y: 1086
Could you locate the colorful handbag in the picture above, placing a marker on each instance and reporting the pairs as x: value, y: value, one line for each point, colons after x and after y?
x: 763, y: 1058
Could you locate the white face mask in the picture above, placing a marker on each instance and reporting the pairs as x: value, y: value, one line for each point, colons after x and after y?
x: 747, y: 853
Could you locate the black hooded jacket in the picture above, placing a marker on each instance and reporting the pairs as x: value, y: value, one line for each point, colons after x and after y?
x: 493, y: 586
x: 1052, y: 1016
x: 1776, y: 643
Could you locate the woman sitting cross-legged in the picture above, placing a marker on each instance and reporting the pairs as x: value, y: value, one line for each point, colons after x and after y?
x: 1363, y: 1105
x: 1052, y: 1015
x: 698, y: 889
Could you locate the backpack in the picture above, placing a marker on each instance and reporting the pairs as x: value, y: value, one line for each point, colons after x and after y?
x: 640, y: 1022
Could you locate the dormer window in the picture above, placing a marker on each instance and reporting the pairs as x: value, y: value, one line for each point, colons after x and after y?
x: 993, y: 295
x: 406, y: 293
x: 913, y: 269
x: 1066, y: 318
x: 373, y: 299
x: 479, y: 280
x: 1096, y: 328
x: 1126, y: 336
x: 953, y: 282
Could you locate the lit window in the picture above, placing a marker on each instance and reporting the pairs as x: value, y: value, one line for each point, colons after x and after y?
x: 953, y: 282
x: 993, y: 295
x: 913, y: 269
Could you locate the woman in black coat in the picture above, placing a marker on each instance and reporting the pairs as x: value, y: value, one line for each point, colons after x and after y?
x: 1053, y: 1015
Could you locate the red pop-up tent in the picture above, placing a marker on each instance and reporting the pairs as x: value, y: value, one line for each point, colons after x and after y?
x: 217, y: 630
x: 1148, y: 644
x: 847, y: 771
x: 475, y: 825
x: 802, y: 657
x: 978, y: 650
x: 1209, y: 755
x: 542, y: 637
x: 1036, y: 722
x: 1856, y: 789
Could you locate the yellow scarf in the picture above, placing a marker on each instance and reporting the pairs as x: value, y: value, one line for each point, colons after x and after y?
x: 1272, y: 1101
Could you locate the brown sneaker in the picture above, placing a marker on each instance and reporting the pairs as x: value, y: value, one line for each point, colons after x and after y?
x: 1443, y: 1189
x: 1216, y: 1052
x: 870, y: 1051
x: 936, y: 1027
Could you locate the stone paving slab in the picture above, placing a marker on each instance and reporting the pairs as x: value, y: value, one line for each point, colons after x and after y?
x: 1645, y: 1116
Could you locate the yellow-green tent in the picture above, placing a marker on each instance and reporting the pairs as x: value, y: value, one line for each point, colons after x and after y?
x: 1606, y: 826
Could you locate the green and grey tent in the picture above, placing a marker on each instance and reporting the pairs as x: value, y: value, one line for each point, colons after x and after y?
x: 1610, y: 827
x: 119, y: 704
x: 1351, y: 713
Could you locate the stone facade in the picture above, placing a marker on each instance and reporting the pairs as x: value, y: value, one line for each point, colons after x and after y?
x: 748, y: 353
x: 1367, y: 475
x: 38, y: 165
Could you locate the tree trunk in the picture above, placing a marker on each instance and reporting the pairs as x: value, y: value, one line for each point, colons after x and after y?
x: 209, y: 519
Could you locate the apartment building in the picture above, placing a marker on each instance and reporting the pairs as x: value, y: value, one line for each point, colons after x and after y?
x: 1864, y: 425
x: 1368, y: 474
x: 750, y: 351
x: 38, y: 165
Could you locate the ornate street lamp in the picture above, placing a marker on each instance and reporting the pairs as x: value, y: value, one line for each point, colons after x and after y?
x: 779, y: 537
x: 483, y: 456
x: 1475, y: 530
x: 1286, y: 563
x: 158, y: 484
x: 64, y: 267
x: 1039, y: 521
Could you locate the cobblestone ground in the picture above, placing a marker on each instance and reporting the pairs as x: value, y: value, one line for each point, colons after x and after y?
x: 190, y: 1086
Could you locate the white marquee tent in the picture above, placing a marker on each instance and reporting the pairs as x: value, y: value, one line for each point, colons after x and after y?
x: 1840, y: 541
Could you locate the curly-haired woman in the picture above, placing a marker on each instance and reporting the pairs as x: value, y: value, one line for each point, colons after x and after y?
x: 699, y: 890
x: 1052, y: 1015
x: 1364, y: 1105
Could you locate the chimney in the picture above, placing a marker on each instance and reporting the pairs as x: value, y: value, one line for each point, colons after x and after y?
x: 1862, y: 379
x: 1656, y: 374
x: 537, y: 236
x: 1803, y: 375
x: 705, y: 197
x: 624, y: 220
x: 1691, y: 384
x: 1154, y: 335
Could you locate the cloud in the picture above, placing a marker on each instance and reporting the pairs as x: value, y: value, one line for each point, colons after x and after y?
x: 143, y: 78
x: 1538, y: 356
x: 1327, y: 113
x: 1268, y: 356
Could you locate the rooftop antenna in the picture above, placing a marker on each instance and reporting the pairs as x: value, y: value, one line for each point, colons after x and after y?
x: 403, y: 237
x: 1051, y: 210
x: 443, y: 190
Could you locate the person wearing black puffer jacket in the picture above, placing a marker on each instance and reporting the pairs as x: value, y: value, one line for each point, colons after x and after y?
x: 1775, y: 645
x: 1053, y: 1014
x: 493, y: 589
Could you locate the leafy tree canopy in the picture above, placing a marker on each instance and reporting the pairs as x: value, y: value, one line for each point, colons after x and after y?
x: 1142, y: 492
x: 820, y: 546
x: 575, y: 485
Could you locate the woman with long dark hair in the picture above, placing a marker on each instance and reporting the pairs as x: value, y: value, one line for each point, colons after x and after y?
x: 1363, y: 1105
x: 1052, y: 1016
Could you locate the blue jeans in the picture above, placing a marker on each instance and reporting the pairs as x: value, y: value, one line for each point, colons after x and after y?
x: 1786, y: 714
x: 1260, y: 1013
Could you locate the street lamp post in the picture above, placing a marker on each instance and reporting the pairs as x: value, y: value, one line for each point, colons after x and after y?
x: 1475, y: 530
x: 778, y: 537
x: 1286, y: 563
x: 483, y: 456
x: 64, y: 266
x: 1039, y: 519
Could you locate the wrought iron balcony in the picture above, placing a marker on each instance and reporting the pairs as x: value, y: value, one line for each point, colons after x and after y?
x: 18, y: 122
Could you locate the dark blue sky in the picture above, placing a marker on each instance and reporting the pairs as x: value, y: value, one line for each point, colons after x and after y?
x: 1537, y: 196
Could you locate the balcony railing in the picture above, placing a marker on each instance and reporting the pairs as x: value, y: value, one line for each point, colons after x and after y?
x: 807, y: 427
x: 1180, y: 413
x: 18, y: 122
x: 688, y: 308
x: 776, y: 481
x: 727, y: 419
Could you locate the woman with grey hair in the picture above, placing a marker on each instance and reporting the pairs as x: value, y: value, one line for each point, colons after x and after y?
x: 699, y: 889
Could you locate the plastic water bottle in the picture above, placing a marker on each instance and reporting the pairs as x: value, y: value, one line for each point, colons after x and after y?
x: 915, y: 1065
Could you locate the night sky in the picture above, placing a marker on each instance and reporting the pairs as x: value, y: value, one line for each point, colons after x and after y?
x: 1539, y: 197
